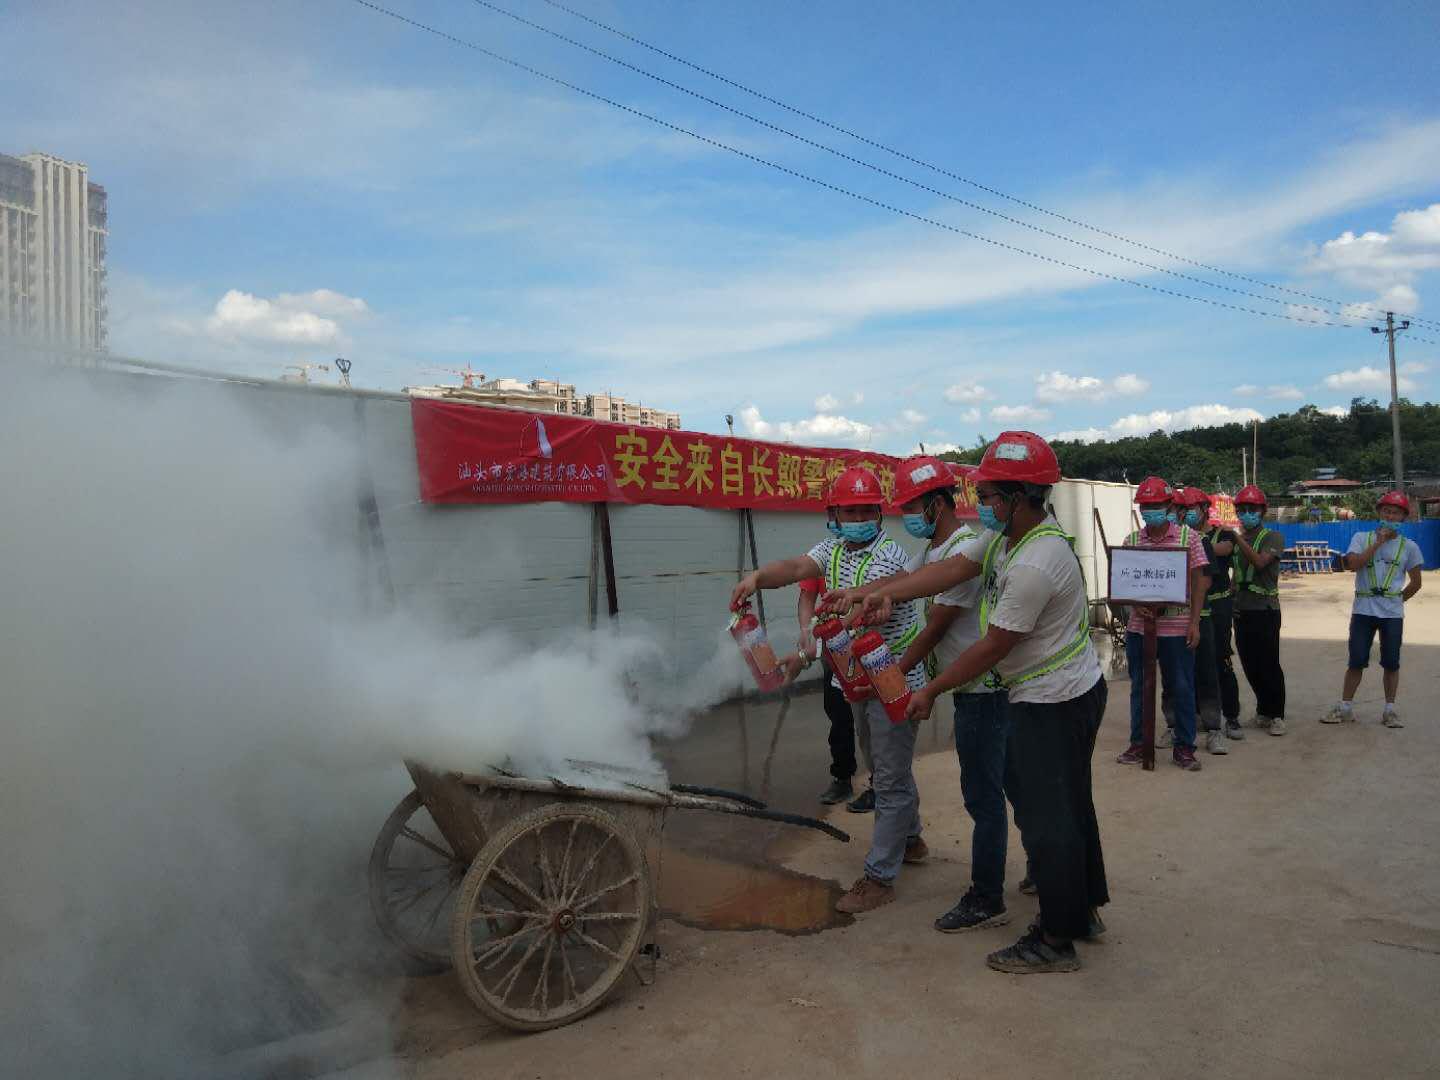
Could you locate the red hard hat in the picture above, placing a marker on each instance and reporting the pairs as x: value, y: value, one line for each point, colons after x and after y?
x: 1021, y: 457
x: 916, y: 475
x: 856, y: 486
x: 1192, y: 496
x: 1250, y: 495
x: 1395, y: 498
x: 1154, y: 490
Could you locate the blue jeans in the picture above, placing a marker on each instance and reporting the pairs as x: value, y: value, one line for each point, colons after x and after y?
x: 1176, y: 663
x: 981, y: 730
x: 1362, y: 639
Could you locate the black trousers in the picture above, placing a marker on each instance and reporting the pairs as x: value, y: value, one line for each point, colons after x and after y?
x: 842, y: 732
x: 1047, y: 775
x: 1257, y: 640
x: 1222, y: 615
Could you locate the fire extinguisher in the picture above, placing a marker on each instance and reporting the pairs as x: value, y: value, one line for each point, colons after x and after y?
x: 754, y: 645
x: 839, y: 646
x: 883, y: 669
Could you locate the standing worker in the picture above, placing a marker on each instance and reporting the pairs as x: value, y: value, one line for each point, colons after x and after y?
x: 1193, y: 508
x: 1258, y: 552
x: 1221, y: 602
x: 925, y: 496
x: 1035, y: 637
x: 862, y: 553
x: 1379, y: 560
x: 843, y: 765
x: 1176, y: 627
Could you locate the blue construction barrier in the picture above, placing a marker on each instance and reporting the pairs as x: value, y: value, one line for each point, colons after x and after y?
x: 1338, y: 533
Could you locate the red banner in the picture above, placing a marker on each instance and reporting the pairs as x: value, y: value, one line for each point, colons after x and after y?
x: 1222, y: 512
x: 475, y: 454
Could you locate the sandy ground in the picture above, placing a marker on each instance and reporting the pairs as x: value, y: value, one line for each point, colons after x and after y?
x: 1275, y: 915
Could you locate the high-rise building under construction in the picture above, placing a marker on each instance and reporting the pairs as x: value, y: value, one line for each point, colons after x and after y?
x: 53, y: 229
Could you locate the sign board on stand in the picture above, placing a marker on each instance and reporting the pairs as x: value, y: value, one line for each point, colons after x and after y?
x: 1149, y: 577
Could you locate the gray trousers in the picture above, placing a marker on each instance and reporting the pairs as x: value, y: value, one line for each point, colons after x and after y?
x: 897, y: 799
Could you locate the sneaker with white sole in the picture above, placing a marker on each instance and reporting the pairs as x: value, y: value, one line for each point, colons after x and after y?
x: 1338, y: 714
x: 1233, y: 730
x: 1165, y: 738
x: 1215, y: 742
x: 1277, y: 725
x: 1391, y: 719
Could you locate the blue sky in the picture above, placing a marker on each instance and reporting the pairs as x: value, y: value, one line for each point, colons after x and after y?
x: 292, y: 182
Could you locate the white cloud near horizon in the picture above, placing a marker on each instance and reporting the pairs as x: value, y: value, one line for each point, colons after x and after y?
x: 289, y: 319
x: 1057, y: 386
x: 1276, y: 392
x: 1018, y: 414
x: 818, y: 430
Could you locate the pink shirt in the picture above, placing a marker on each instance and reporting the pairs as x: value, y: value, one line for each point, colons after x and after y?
x: 1176, y: 620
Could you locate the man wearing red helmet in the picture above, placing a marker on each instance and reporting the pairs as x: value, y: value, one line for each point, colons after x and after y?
x: 1035, y: 640
x: 861, y: 554
x: 1192, y: 509
x: 924, y: 493
x: 1257, y: 608
x: 1177, y: 628
x: 1379, y: 560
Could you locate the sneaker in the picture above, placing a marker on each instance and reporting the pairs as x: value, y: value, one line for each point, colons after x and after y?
x: 916, y: 850
x: 1033, y: 955
x: 1165, y: 739
x: 1277, y: 726
x: 1184, y: 757
x: 1215, y: 742
x: 1096, y: 927
x: 837, y: 792
x: 1233, y: 730
x: 866, y: 894
x: 864, y: 804
x: 1337, y: 714
x: 1391, y: 719
x: 1131, y: 756
x: 973, y: 912
x: 1027, y: 887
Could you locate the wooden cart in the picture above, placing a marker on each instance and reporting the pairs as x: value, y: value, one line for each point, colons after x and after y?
x: 538, y: 892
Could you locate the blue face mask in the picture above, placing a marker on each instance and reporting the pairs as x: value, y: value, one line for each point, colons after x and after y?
x: 988, y: 518
x: 1172, y: 517
x: 1154, y: 517
x: 918, y: 527
x: 1251, y: 518
x: 832, y: 526
x: 859, y: 532
x: 1194, y: 518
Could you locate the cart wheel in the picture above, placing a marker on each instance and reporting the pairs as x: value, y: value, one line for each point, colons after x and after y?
x: 550, y: 916
x: 414, y: 877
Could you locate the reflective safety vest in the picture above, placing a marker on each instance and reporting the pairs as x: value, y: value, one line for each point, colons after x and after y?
x: 857, y: 578
x: 946, y: 549
x: 1383, y: 589
x: 1077, y: 645
x: 1245, y: 571
x: 1173, y: 609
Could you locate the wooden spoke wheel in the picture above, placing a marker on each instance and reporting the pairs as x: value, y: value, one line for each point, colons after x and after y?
x: 550, y: 916
x: 414, y: 877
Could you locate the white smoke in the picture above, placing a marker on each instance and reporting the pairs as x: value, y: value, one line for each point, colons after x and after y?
x: 202, y: 728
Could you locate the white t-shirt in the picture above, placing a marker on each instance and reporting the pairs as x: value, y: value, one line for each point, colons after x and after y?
x: 965, y: 630
x: 882, y: 557
x: 1405, y: 552
x: 1040, y: 594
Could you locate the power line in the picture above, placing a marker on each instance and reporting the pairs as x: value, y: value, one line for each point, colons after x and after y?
x: 905, y: 179
x: 837, y: 188
x: 955, y: 176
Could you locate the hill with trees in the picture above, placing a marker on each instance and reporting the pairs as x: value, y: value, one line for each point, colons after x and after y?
x: 1292, y: 446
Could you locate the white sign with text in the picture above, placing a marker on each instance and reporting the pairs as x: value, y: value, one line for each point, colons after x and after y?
x: 1149, y: 575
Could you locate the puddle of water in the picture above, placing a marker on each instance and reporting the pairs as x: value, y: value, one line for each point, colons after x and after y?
x: 718, y: 895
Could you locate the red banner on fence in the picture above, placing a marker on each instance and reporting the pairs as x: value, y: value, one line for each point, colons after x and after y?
x: 474, y: 454
x: 1222, y: 512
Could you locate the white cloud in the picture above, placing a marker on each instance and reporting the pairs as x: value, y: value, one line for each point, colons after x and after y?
x: 938, y: 448
x: 1023, y: 414
x: 971, y: 416
x: 819, y: 430
x: 1336, y: 410
x: 1418, y: 228
x: 1181, y: 419
x: 1085, y: 435
x: 912, y: 418
x: 289, y: 319
x: 1277, y: 392
x: 827, y: 403
x: 1388, y: 263
x: 1058, y: 386
x: 1368, y: 378
x: 966, y: 393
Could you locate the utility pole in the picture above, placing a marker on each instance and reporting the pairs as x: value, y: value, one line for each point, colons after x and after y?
x: 1255, y: 458
x: 1244, y: 468
x: 1390, y: 330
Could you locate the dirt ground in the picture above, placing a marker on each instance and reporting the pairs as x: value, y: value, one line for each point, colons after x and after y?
x: 1275, y: 915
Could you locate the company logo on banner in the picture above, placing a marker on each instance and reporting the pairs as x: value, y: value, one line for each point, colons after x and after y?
x: 475, y: 454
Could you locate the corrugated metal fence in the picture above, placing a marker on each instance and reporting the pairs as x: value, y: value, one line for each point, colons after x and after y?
x: 1338, y: 533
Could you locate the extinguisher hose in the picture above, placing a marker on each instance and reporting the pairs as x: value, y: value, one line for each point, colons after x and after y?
x: 718, y: 793
x: 790, y: 819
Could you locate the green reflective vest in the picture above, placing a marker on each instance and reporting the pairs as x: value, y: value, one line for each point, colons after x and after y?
x: 1077, y: 645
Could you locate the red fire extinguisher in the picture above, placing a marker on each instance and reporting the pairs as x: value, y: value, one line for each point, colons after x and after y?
x: 839, y: 646
x: 883, y: 669
x: 754, y: 645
